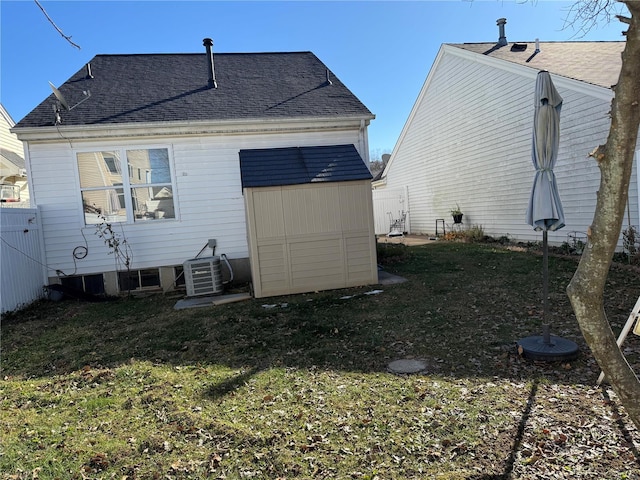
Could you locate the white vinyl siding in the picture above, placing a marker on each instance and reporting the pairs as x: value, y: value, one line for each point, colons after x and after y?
x: 468, y: 141
x: 208, y: 199
x: 17, y: 184
x: 7, y: 139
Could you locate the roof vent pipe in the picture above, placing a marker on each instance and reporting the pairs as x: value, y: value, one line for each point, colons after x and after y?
x: 502, y: 40
x: 208, y: 43
x: 537, y: 45
x: 89, y: 74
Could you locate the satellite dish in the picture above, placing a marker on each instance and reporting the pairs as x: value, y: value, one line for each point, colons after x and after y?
x: 63, y: 101
x: 60, y: 97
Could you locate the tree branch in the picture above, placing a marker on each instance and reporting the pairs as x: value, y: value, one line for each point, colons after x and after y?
x: 624, y: 19
x: 66, y: 37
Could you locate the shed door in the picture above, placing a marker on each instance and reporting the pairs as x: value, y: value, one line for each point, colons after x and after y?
x: 304, y: 238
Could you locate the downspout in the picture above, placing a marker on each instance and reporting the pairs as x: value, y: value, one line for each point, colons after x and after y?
x: 363, y: 142
x: 638, y: 182
x: 407, y: 224
x: 27, y: 166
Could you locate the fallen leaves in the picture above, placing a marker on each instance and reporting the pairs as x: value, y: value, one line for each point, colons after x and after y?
x: 560, y: 438
x: 300, y: 389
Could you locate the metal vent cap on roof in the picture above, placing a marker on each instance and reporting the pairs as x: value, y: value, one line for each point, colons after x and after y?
x: 502, y: 39
x: 208, y: 43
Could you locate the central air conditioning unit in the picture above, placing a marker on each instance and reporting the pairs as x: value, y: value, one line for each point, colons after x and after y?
x: 203, y: 276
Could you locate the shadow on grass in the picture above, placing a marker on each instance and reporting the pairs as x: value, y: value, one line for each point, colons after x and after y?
x: 462, y: 310
x: 624, y: 431
x: 221, y: 389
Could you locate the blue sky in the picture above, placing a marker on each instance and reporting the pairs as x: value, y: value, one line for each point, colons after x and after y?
x: 382, y: 50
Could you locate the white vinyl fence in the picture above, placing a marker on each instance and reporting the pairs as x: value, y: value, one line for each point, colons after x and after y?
x: 22, y: 273
x: 389, y: 205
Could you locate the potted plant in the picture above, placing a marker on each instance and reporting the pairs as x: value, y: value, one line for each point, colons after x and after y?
x: 456, y: 213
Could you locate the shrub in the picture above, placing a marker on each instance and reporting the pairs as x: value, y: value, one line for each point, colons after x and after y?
x: 389, y: 253
x: 631, y: 244
x: 476, y: 233
x: 473, y: 234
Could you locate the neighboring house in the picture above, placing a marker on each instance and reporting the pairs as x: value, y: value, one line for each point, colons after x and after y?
x: 14, y: 189
x: 152, y: 144
x: 467, y: 140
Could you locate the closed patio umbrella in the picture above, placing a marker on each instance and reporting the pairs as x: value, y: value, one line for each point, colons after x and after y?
x: 545, y: 208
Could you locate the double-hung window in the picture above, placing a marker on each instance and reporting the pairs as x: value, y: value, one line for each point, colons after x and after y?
x: 126, y: 185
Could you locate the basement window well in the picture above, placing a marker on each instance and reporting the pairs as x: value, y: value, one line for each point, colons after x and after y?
x: 93, y: 284
x: 139, y: 279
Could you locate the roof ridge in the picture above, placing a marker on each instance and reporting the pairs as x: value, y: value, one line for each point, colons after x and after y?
x: 581, y: 42
x: 199, y: 53
x: 172, y: 87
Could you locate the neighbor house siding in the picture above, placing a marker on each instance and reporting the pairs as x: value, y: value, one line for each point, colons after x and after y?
x: 208, y: 200
x: 7, y: 139
x: 468, y: 141
x: 11, y: 172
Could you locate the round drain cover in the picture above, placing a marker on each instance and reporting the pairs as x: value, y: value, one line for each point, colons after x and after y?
x: 406, y: 366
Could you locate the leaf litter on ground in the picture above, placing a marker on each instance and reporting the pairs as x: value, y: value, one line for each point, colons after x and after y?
x: 134, y: 389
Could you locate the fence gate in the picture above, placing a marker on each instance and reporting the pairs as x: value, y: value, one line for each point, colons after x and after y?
x: 390, y: 204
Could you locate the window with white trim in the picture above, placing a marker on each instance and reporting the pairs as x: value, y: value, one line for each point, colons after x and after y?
x: 126, y: 185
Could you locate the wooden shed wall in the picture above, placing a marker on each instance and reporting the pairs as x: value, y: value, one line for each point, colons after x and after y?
x: 304, y: 238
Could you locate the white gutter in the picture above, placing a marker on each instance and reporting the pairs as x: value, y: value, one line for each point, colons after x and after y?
x: 63, y: 133
x: 379, y: 183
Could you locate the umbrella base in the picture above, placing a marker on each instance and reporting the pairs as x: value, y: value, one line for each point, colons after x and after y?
x: 557, y: 349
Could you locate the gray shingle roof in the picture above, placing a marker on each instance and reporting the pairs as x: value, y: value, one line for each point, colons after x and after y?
x: 12, y: 157
x: 299, y: 165
x: 597, y: 63
x: 146, y: 88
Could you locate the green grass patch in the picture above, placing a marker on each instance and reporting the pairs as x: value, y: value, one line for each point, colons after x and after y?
x: 135, y: 389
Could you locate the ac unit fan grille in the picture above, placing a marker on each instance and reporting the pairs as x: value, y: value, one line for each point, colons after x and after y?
x: 203, y: 276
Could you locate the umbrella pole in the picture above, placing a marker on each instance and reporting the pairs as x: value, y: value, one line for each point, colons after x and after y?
x: 540, y: 347
x: 546, y: 135
x: 546, y: 335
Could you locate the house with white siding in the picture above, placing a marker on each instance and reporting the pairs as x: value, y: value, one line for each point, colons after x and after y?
x: 467, y: 140
x: 150, y: 145
x: 14, y: 189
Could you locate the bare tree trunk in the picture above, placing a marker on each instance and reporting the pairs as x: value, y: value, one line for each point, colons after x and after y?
x: 615, y: 159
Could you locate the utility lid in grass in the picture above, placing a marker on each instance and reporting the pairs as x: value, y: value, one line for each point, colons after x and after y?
x: 407, y: 366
